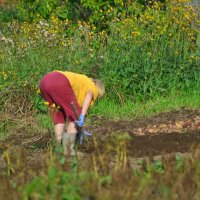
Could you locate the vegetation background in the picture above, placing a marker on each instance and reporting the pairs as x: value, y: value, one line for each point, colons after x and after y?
x: 146, y: 52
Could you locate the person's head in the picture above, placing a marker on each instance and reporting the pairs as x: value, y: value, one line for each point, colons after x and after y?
x: 100, y: 86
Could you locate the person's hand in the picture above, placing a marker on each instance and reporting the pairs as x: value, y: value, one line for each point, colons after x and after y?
x: 81, y: 120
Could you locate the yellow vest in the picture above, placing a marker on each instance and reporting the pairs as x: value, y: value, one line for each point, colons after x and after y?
x: 81, y: 84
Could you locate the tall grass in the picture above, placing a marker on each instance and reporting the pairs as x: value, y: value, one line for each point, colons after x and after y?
x: 102, y: 177
x: 137, y: 109
x: 148, y: 53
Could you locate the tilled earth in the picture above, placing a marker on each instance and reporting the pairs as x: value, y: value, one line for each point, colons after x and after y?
x: 165, y: 133
x: 175, y: 131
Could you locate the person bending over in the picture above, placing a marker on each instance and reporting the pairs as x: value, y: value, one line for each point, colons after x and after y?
x: 59, y: 89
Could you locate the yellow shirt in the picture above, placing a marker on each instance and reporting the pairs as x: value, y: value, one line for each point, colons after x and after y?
x: 81, y: 84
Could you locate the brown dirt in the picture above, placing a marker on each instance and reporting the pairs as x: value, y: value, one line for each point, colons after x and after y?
x: 163, y: 144
x: 165, y: 133
x: 176, y: 131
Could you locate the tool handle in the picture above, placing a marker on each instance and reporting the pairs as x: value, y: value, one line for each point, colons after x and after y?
x: 75, y: 110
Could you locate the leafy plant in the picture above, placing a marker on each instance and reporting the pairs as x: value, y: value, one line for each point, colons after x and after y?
x: 34, y: 9
x: 56, y: 185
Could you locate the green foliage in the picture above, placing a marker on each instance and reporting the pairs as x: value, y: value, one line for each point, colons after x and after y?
x: 159, y: 168
x: 35, y: 9
x: 179, y: 161
x: 99, y: 13
x: 144, y: 54
x: 140, y: 70
x: 105, y: 180
x: 7, y: 15
x: 56, y: 185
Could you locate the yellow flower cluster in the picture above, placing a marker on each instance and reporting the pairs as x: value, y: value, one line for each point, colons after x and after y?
x: 52, y: 105
x: 7, y: 75
x: 150, y: 24
x: 4, y: 75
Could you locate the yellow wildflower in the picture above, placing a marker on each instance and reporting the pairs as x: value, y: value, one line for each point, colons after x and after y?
x: 136, y: 33
x: 192, y: 57
x: 53, y: 105
x: 149, y: 54
x: 158, y: 27
x: 38, y: 91
x: 46, y: 103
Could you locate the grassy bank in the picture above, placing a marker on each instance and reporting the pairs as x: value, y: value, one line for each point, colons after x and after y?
x: 130, y: 109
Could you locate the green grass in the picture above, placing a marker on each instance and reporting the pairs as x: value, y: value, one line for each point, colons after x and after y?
x: 129, y: 110
x: 2, y: 132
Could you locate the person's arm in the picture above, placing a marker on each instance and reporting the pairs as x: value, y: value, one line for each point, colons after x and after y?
x: 86, y: 102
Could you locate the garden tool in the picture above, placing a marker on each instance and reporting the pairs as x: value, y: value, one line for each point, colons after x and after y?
x: 82, y: 134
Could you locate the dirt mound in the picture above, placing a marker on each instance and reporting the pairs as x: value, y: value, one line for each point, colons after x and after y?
x: 176, y: 131
x: 161, y: 144
x: 178, y: 121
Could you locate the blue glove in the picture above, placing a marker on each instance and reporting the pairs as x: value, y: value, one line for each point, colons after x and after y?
x: 81, y: 120
x: 80, y: 137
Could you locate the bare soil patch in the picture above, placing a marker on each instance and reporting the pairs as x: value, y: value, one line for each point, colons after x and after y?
x: 175, y: 131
